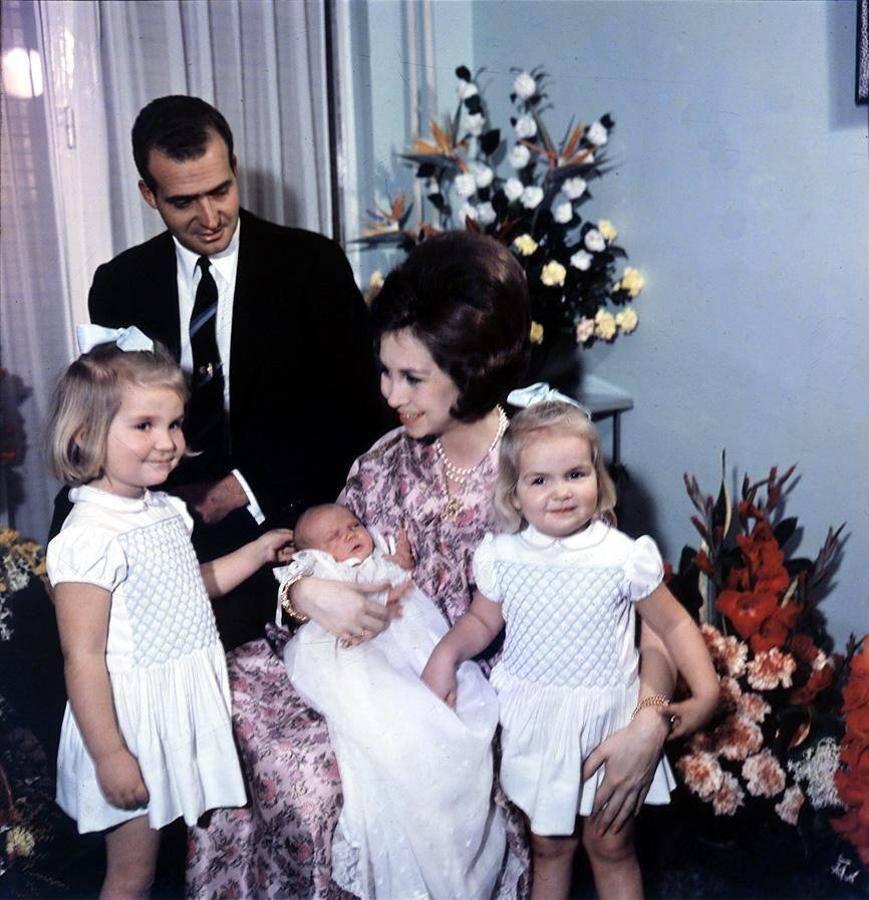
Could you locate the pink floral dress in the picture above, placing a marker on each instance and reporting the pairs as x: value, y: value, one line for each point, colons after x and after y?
x: 280, y: 844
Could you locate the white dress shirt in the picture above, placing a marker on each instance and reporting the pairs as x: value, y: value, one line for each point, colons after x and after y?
x: 224, y: 266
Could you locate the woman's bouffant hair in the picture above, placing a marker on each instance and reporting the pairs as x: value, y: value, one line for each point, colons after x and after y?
x: 87, y: 398
x: 541, y: 421
x: 465, y: 297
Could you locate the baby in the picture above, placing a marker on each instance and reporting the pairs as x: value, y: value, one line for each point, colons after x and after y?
x: 418, y: 819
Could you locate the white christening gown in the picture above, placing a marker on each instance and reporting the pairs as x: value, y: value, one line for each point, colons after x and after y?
x: 418, y: 819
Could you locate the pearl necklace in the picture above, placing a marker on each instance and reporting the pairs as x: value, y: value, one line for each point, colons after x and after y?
x: 457, y: 474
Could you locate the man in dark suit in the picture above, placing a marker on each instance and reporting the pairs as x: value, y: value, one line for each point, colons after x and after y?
x: 270, y: 324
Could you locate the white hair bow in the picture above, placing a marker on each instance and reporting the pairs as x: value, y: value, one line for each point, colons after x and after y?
x: 89, y: 336
x: 541, y: 392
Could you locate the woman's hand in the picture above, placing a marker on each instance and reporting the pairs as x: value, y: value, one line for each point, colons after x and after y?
x: 631, y: 756
x: 439, y: 675
x: 120, y: 779
x: 345, y: 610
x: 689, y: 715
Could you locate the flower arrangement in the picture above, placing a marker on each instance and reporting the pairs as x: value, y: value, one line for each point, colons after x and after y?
x: 32, y: 828
x: 779, y: 738
x: 570, y: 262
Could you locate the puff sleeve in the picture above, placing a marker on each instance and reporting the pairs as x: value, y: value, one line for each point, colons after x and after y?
x: 485, y: 570
x: 86, y: 554
x: 644, y: 569
x: 180, y: 507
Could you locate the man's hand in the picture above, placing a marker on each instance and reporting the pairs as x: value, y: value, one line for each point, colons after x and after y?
x: 212, y: 501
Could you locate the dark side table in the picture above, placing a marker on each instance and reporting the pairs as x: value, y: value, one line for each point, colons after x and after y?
x: 605, y: 400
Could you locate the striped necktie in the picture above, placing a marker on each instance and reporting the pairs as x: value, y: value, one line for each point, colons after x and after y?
x: 206, y: 426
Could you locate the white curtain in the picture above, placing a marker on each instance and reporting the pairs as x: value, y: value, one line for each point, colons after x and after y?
x: 75, y: 74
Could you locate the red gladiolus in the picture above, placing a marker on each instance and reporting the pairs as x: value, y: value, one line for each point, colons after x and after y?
x: 774, y: 630
x: 819, y: 680
x: 804, y: 649
x: 746, y: 609
x: 702, y: 562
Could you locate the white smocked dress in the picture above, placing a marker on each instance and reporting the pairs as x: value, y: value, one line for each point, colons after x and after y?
x: 418, y: 819
x: 165, y: 661
x: 568, y: 676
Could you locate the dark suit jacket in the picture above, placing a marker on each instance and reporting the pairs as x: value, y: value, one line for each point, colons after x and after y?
x: 303, y: 389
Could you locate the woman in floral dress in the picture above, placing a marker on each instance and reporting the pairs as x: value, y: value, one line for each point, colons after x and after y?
x: 452, y: 324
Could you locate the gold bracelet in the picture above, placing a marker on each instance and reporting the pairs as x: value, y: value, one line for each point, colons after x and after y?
x: 656, y: 701
x: 286, y: 601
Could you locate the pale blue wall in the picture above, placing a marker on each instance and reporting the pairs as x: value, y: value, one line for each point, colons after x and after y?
x: 740, y: 190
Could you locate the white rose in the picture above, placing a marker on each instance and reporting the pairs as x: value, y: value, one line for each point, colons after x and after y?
x: 486, y: 214
x: 574, y: 188
x: 562, y: 211
x: 526, y: 127
x: 519, y: 156
x: 594, y: 240
x: 466, y: 89
x: 483, y: 175
x: 531, y: 196
x: 525, y: 86
x: 513, y: 189
x: 465, y: 185
x: 596, y: 134
x: 474, y: 124
x: 581, y: 260
x: 467, y: 212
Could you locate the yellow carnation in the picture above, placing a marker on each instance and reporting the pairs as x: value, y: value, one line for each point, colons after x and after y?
x: 605, y: 227
x: 553, y: 274
x: 19, y: 842
x: 632, y: 282
x: 604, y: 325
x: 525, y: 244
x: 536, y: 336
x: 627, y: 320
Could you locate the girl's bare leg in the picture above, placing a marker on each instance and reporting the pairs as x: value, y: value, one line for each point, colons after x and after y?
x: 131, y: 859
x: 552, y: 866
x: 613, y: 862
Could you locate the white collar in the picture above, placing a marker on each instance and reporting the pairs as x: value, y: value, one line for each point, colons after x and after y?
x: 224, y: 262
x: 115, y: 501
x: 590, y: 536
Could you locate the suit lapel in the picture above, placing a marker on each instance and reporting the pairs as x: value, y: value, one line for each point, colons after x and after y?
x: 163, y: 295
x: 248, y: 282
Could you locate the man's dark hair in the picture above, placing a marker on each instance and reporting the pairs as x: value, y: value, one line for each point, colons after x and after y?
x: 177, y: 126
x: 465, y: 297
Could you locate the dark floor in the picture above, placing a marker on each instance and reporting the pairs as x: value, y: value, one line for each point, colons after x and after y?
x: 678, y: 864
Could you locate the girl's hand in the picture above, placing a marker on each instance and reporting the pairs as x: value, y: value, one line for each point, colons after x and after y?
x: 344, y: 610
x: 439, y: 675
x: 631, y: 756
x: 120, y: 779
x: 275, y: 546
x: 692, y: 713
x: 403, y: 555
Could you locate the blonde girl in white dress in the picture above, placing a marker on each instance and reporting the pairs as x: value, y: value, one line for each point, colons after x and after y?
x: 146, y: 735
x: 565, y: 583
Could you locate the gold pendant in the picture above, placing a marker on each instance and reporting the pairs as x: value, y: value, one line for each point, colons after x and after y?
x: 452, y: 508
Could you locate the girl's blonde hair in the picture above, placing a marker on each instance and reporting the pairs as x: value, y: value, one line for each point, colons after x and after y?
x: 542, y: 420
x: 88, y: 397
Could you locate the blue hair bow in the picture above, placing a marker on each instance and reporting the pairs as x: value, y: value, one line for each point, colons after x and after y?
x: 89, y: 336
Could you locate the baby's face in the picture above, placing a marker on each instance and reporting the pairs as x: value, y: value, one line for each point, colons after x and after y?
x: 340, y: 534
